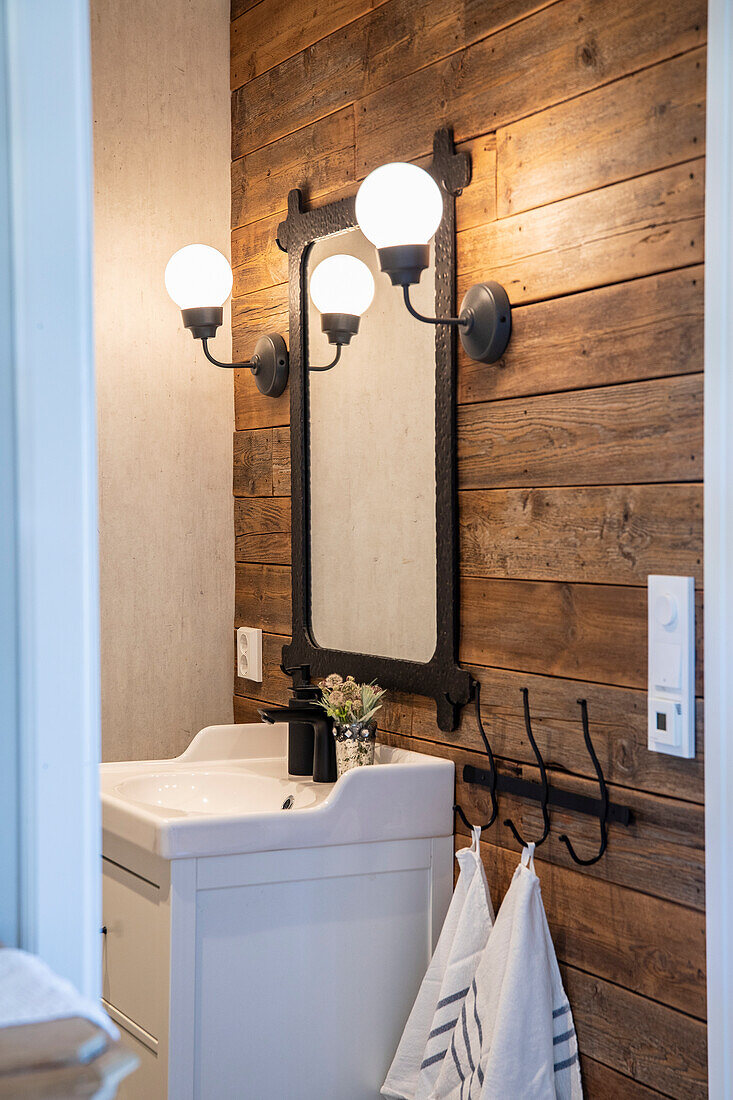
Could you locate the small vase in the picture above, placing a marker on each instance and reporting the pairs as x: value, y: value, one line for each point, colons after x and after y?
x: 355, y: 745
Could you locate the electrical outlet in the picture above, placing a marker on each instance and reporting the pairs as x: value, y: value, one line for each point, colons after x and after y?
x: 249, y: 653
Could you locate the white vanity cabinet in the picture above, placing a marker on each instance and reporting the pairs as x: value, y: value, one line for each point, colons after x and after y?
x: 136, y: 943
x: 282, y: 973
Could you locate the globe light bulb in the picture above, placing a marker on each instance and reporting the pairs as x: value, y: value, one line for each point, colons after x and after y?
x: 342, y: 284
x: 198, y: 275
x: 399, y: 204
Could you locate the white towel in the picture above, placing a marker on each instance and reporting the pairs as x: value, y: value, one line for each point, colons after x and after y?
x: 515, y: 1039
x: 428, y: 1030
x: 30, y: 992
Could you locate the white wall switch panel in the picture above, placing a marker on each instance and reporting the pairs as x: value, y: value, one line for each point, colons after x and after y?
x: 671, y: 698
x: 249, y: 653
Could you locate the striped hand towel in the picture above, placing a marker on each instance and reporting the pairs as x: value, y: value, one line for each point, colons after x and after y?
x: 514, y: 1039
x: 427, y: 1033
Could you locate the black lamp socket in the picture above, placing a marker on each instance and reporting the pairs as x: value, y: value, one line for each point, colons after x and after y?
x: 404, y: 263
x: 203, y: 321
x: 340, y: 327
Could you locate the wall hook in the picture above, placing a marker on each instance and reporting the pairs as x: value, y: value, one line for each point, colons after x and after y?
x: 603, y: 814
x: 543, y: 793
x: 475, y: 684
x: 545, y: 796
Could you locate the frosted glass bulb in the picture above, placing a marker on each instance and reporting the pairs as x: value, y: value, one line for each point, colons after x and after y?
x: 399, y: 204
x: 342, y: 284
x: 198, y: 275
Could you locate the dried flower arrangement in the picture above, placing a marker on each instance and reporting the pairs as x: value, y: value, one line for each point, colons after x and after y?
x: 348, y: 702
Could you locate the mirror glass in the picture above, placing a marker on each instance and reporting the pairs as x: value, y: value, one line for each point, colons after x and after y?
x: 372, y: 471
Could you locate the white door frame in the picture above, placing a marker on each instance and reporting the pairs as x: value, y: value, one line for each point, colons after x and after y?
x: 49, y: 95
x: 9, y: 840
x: 719, y: 548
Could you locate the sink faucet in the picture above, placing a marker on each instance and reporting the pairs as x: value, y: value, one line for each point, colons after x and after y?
x: 311, y: 747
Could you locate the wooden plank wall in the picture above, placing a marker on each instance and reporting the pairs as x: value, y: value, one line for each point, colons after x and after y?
x: 580, y: 456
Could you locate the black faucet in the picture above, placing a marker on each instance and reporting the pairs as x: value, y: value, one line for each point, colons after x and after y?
x: 311, y: 746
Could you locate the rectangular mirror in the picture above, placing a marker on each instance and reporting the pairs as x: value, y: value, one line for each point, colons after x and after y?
x: 371, y: 469
x: 373, y: 465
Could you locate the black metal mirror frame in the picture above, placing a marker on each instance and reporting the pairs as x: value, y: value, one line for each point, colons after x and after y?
x: 441, y: 677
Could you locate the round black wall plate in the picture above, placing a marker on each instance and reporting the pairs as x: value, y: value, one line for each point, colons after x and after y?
x: 488, y: 306
x: 271, y: 358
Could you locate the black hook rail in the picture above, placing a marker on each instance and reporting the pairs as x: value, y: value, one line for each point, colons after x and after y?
x: 543, y: 792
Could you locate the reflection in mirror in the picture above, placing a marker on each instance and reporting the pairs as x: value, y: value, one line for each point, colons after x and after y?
x: 372, y: 472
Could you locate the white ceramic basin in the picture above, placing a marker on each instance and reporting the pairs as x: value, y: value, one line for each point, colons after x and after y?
x: 215, y: 792
x: 225, y: 795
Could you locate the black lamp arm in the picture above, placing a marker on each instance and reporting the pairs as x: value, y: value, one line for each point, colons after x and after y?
x: 252, y: 364
x: 431, y: 320
x: 333, y: 362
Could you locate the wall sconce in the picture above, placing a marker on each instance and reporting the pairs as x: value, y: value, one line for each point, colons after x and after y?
x: 199, y: 280
x: 399, y: 207
x: 342, y: 288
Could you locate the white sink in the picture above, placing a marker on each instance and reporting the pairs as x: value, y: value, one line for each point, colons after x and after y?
x: 215, y: 792
x: 224, y: 912
x: 226, y: 792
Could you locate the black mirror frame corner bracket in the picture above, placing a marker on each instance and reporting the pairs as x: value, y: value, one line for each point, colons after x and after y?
x: 441, y: 678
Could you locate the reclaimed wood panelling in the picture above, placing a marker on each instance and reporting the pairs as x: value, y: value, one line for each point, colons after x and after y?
x: 318, y: 159
x: 561, y: 51
x: 647, y: 328
x: 637, y: 227
x: 653, y: 119
x: 270, y: 33
x: 583, y: 631
x: 253, y: 473
x: 281, y: 462
x: 253, y: 314
x: 262, y: 462
x: 262, y: 596
x: 603, y: 1083
x: 262, y: 530
x: 616, y: 534
x: 616, y: 1024
x: 580, y: 454
x: 264, y: 310
x: 643, y: 432
x: 394, y: 40
x: 238, y: 7
x: 663, y: 953
x: 588, y: 632
x: 257, y: 260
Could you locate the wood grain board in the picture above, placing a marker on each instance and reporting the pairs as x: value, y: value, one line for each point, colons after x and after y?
x: 649, y: 327
x: 613, y: 534
x: 641, y: 432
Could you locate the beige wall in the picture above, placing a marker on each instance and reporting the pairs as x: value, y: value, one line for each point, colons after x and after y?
x: 161, y: 159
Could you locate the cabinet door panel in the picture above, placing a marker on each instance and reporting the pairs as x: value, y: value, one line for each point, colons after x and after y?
x: 133, y: 950
x: 144, y: 1083
x: 303, y: 987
